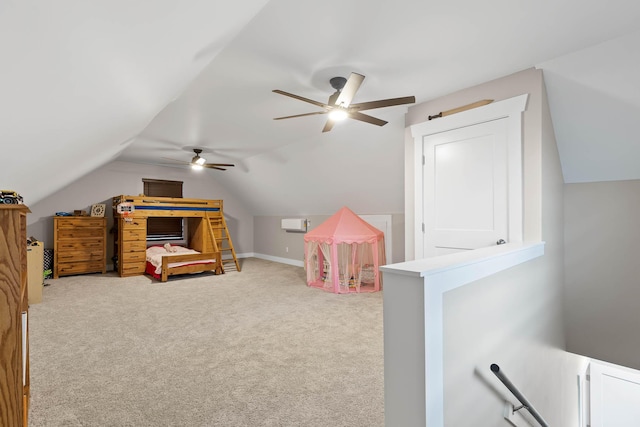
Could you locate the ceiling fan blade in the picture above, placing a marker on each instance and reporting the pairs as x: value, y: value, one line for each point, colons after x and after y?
x: 383, y: 103
x: 301, y: 98
x: 349, y: 90
x: 301, y: 115
x: 219, y: 164
x: 213, y: 167
x: 365, y: 118
x: 328, y: 126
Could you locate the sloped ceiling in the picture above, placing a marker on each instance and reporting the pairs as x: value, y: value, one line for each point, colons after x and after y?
x: 89, y: 82
x: 79, y: 79
x: 594, y: 94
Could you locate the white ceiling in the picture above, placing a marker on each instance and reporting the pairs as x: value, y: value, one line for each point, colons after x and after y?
x: 149, y: 80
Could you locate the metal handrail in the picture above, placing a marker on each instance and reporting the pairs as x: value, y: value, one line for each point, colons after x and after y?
x: 523, y: 400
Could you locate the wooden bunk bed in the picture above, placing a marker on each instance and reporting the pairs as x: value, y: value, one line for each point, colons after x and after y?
x: 207, y: 234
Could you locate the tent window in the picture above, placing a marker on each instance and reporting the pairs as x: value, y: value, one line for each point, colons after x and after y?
x: 164, y: 228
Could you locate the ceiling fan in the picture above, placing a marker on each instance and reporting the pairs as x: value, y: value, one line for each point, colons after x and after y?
x: 340, y: 107
x: 198, y: 162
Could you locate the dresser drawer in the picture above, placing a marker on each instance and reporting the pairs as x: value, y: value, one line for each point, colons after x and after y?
x: 64, y: 268
x: 135, y: 223
x: 132, y: 268
x: 134, y: 246
x: 79, y: 245
x: 80, y: 233
x: 80, y: 222
x: 135, y: 234
x: 134, y: 257
x: 83, y: 255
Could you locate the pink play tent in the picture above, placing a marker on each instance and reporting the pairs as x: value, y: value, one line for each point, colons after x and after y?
x: 343, y: 254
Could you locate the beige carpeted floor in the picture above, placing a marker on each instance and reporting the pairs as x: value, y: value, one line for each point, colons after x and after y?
x: 255, y: 348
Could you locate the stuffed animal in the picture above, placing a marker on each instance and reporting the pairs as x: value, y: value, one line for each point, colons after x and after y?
x: 170, y: 248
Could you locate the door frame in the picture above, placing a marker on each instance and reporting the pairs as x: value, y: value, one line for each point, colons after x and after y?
x: 512, y: 110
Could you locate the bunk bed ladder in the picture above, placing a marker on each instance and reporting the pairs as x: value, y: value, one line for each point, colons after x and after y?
x: 221, y: 238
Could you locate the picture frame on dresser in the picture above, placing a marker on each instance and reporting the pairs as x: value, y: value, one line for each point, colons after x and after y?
x: 98, y: 209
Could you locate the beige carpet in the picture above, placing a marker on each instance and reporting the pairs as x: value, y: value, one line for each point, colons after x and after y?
x: 255, y: 348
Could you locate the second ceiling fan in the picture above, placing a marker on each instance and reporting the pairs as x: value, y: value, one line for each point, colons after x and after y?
x: 198, y: 162
x: 340, y: 107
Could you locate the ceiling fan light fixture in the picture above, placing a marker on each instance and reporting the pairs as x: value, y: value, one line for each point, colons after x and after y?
x: 338, y: 114
x: 339, y: 106
x: 199, y: 163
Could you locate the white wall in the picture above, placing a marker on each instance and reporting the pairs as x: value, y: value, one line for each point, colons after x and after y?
x: 602, y: 270
x: 270, y: 240
x: 356, y: 164
x: 124, y: 178
x: 527, y: 81
x: 514, y: 318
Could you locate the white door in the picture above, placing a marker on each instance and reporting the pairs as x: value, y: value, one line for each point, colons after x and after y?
x: 465, y: 188
x: 614, y: 396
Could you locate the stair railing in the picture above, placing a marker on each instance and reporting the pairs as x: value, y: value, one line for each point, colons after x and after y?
x: 523, y: 400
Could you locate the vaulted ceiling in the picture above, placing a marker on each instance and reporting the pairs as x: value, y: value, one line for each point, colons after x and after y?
x: 84, y: 83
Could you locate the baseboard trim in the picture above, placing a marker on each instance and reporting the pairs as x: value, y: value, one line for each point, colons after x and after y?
x: 244, y: 255
x: 281, y: 260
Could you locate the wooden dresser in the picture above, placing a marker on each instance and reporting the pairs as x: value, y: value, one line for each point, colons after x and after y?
x: 14, y: 306
x: 131, y: 246
x: 80, y: 245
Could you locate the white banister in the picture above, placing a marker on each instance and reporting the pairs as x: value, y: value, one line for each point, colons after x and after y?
x: 413, y: 326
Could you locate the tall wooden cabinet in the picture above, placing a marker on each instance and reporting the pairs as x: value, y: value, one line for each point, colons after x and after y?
x: 14, y: 307
x: 131, y: 246
x: 80, y: 245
